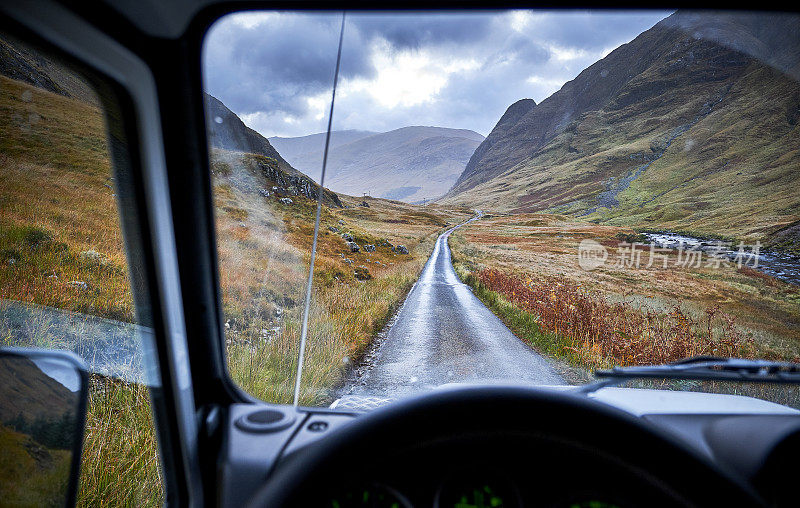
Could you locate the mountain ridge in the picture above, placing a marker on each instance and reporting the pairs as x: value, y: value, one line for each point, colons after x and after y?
x: 552, y: 115
x: 671, y: 130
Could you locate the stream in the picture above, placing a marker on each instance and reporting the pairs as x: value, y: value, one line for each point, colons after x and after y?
x: 780, y: 265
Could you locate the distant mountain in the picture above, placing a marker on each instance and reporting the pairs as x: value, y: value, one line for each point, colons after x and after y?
x: 691, y: 126
x: 411, y: 164
x: 306, y: 151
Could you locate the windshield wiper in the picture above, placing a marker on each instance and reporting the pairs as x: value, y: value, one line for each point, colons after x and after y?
x: 709, y: 368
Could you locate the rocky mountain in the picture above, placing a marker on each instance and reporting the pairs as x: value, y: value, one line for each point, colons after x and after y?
x: 691, y: 126
x: 228, y: 132
x: 234, y: 144
x: 504, y: 154
x: 411, y: 164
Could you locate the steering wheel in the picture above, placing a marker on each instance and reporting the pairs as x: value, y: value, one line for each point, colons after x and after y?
x: 402, y: 431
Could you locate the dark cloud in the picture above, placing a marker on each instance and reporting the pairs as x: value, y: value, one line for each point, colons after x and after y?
x: 521, y: 48
x: 273, y: 68
x: 591, y: 29
x: 275, y: 65
x: 412, y: 31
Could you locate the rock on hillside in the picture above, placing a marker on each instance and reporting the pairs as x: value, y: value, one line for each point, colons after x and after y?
x: 235, y: 144
x: 261, y: 175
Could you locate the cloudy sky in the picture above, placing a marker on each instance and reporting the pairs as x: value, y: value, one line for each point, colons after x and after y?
x: 275, y: 70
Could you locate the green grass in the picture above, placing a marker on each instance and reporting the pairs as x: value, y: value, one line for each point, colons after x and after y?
x: 31, y: 474
x: 120, y: 465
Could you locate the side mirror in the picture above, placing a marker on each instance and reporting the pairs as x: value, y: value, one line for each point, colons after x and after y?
x: 43, y: 396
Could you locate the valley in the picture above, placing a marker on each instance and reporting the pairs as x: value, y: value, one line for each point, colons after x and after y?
x: 369, y: 253
x: 667, y: 132
x: 441, y: 255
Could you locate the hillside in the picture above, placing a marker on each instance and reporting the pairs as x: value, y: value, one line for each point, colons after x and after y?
x: 19, y: 62
x: 673, y: 130
x: 28, y: 391
x: 411, y: 164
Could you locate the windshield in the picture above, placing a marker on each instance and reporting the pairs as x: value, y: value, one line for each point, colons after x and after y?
x: 507, y: 196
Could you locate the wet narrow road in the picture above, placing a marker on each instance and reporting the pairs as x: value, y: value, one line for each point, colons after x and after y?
x: 444, y: 334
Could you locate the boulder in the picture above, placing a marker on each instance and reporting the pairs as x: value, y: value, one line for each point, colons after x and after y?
x: 347, y: 237
x: 286, y: 201
x: 362, y: 273
x: 369, y: 248
x: 92, y: 256
x: 353, y: 246
x: 401, y: 249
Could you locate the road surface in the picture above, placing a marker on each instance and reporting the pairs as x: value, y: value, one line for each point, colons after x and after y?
x: 444, y: 334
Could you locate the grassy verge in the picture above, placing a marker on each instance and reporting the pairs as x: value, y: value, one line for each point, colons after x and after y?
x: 524, y: 268
x: 120, y: 465
x: 264, y: 246
x: 524, y: 324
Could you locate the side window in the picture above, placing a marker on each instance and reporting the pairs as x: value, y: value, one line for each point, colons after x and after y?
x: 66, y: 270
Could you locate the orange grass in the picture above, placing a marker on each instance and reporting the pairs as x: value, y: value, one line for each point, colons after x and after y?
x: 620, y: 333
x: 545, y: 247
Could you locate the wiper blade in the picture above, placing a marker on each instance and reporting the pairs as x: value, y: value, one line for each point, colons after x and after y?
x: 710, y: 368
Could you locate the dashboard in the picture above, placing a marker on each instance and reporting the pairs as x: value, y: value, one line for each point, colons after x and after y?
x: 482, y: 472
x: 523, y: 447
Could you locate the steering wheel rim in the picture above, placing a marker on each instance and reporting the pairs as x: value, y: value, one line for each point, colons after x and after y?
x: 532, y: 410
